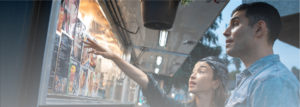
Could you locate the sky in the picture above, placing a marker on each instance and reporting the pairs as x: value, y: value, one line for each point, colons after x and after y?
x: 289, y: 55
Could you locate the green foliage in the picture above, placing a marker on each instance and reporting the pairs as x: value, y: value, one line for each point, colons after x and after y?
x: 185, y: 2
x: 237, y: 63
x: 226, y: 60
x: 295, y: 69
x: 209, y: 36
x: 296, y: 72
x: 232, y: 75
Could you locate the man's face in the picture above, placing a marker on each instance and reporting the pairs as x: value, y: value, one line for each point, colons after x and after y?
x: 239, y: 35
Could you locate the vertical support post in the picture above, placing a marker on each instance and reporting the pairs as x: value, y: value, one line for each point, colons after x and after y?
x: 126, y: 82
x: 46, y: 66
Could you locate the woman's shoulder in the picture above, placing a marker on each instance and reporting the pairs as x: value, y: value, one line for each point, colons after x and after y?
x: 190, y: 103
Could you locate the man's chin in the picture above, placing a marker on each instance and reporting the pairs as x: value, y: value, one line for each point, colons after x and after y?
x: 191, y: 90
x: 230, y: 52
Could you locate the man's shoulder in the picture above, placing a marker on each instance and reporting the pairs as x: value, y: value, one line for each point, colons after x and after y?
x: 277, y: 72
x: 274, y: 87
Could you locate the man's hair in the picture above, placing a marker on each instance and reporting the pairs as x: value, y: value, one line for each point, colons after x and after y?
x: 262, y: 11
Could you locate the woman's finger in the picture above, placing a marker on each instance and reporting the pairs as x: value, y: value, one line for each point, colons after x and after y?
x: 91, y: 51
x: 90, y: 46
x: 91, y: 41
x: 100, y: 53
x: 85, y: 42
x: 94, y: 45
x: 87, y: 46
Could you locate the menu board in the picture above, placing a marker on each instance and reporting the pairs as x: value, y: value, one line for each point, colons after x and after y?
x: 68, y: 12
x: 60, y: 84
x: 82, y: 81
x: 90, y: 81
x: 78, y: 36
x: 53, y: 61
x: 63, y: 57
x: 85, y: 56
x: 73, y: 82
x: 75, y: 71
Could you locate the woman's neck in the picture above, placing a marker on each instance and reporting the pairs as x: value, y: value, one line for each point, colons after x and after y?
x: 204, y: 99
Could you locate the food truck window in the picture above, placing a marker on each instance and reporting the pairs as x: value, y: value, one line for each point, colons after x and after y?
x: 77, y: 76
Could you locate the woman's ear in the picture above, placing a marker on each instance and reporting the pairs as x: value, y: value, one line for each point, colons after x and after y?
x: 216, y: 84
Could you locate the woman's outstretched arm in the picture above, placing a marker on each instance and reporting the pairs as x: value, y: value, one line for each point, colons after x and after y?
x: 130, y: 70
x: 155, y: 96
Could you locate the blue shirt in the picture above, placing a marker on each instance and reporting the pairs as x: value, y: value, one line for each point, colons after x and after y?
x: 266, y: 83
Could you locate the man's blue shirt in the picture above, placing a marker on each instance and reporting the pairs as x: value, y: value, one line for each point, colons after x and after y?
x: 266, y: 83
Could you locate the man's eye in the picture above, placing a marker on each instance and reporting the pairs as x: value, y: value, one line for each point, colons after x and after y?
x: 235, y: 23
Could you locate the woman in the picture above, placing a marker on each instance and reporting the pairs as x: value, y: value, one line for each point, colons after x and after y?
x: 207, y: 81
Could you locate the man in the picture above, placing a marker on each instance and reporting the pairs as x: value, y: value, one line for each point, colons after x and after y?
x: 266, y: 82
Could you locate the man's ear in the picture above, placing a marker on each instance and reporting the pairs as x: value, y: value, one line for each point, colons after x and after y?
x: 260, y: 28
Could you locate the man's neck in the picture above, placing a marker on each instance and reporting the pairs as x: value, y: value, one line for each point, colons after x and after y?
x: 253, y: 56
x: 204, y: 99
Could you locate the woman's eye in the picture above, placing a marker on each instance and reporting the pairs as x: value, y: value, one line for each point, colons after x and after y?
x: 201, y: 71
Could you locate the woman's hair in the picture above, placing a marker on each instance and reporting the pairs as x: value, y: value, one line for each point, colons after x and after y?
x: 220, y: 73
